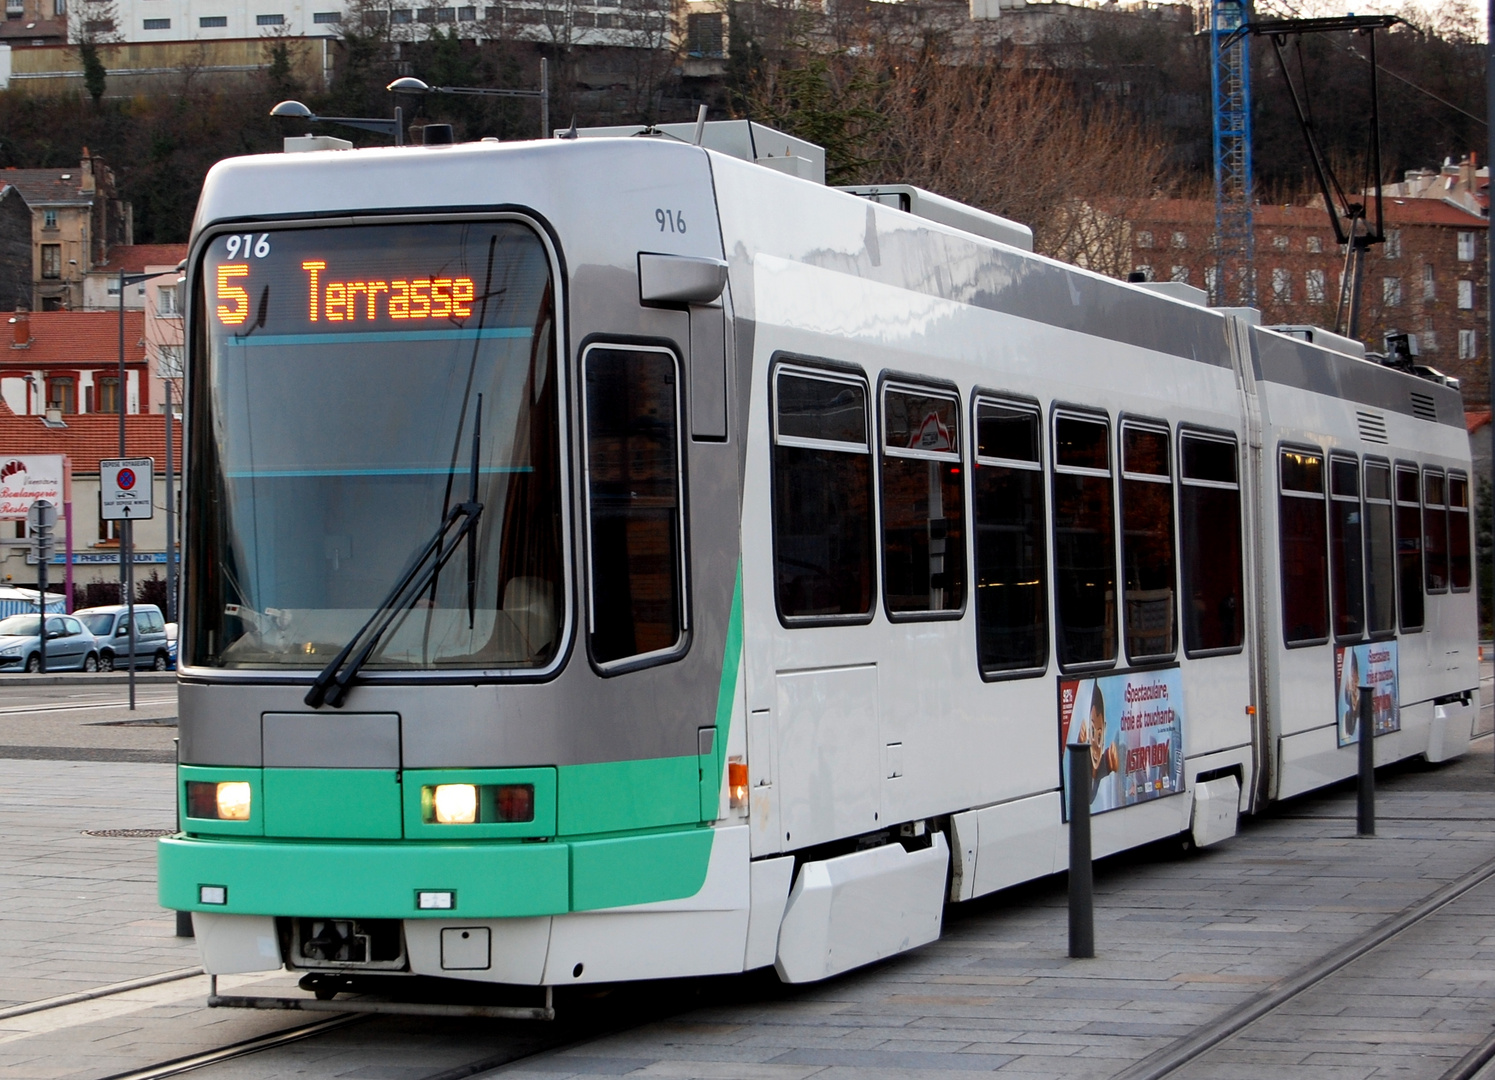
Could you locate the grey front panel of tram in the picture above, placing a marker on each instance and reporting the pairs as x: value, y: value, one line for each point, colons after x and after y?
x: 322, y: 740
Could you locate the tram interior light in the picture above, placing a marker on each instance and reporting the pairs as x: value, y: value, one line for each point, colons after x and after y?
x: 227, y: 800
x: 456, y: 804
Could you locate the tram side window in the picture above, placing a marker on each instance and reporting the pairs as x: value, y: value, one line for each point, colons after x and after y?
x: 633, y: 496
x: 1346, y: 548
x: 822, y: 496
x: 1305, y: 578
x: 1012, y: 619
x: 1380, y: 550
x: 1409, y: 547
x: 1209, y: 510
x: 923, y: 510
x: 1435, y: 530
x: 1084, y: 541
x: 1147, y: 553
x: 1460, y: 569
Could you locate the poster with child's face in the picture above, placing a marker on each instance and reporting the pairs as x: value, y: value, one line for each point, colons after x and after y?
x: 1370, y: 664
x: 1133, y: 723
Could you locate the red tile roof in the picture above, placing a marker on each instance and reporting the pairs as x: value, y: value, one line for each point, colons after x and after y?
x: 87, y: 338
x: 1476, y: 419
x: 134, y: 258
x: 89, y: 439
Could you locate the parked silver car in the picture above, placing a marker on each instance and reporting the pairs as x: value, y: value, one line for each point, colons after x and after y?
x: 70, y: 646
x: 111, y: 625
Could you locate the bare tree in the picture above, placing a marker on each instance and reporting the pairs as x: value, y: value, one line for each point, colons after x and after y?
x: 94, y: 26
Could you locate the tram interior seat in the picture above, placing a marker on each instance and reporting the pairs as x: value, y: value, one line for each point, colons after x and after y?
x: 1149, y: 620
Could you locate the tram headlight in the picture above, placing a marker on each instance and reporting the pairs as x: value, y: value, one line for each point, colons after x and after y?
x: 226, y: 800
x: 456, y: 804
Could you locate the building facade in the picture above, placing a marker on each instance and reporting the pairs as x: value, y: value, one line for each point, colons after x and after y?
x: 1429, y: 279
x: 66, y: 363
x: 75, y: 217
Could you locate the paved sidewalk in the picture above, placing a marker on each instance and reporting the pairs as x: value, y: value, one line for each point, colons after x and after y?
x: 1181, y: 940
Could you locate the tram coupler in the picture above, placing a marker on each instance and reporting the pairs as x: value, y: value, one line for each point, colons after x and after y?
x: 1081, y: 878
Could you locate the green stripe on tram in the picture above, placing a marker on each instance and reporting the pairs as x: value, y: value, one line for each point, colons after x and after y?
x: 628, y: 832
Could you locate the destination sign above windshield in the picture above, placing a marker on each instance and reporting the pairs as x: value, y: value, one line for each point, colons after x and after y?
x: 281, y: 282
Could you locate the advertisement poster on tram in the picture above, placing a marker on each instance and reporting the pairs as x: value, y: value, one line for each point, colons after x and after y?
x: 1373, y: 663
x: 1134, y: 723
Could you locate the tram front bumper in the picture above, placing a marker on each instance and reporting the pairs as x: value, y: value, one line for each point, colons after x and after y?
x: 386, y: 880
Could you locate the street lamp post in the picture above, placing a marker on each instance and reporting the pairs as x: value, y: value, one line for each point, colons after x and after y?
x: 298, y: 111
x: 415, y: 86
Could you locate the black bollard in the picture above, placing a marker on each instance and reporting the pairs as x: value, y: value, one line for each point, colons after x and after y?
x: 1365, y: 801
x: 1081, y: 881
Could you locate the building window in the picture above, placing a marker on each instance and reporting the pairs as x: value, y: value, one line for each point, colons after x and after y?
x: 1466, y: 247
x: 99, y: 26
x: 1145, y: 271
x: 1313, y: 286
x: 1429, y: 283
x: 209, y: 22
x: 1305, y: 578
x: 169, y: 361
x: 1084, y: 541
x: 1180, y: 240
x: 1280, y: 243
x: 52, y: 261
x: 166, y: 300
x: 400, y: 16
x: 158, y: 24
x: 923, y: 516
x: 467, y: 14
x: 1314, y: 245
x: 49, y: 219
x: 1391, y: 291
x: 1179, y: 273
x: 59, y: 7
x: 704, y: 34
x: 269, y: 20
x: 1466, y: 296
x: 1468, y: 345
x: 425, y: 15
x: 1012, y: 619
x: 633, y: 502
x: 1282, y: 286
x: 822, y: 496
x: 446, y: 14
x: 106, y: 395
x: 1211, y: 280
x: 1144, y: 238
x: 327, y: 17
x: 1393, y: 243
x: 62, y: 393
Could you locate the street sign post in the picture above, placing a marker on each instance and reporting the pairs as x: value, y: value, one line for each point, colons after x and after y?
x: 41, y: 519
x: 125, y: 489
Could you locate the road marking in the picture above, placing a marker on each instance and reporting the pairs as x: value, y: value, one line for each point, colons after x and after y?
x: 17, y: 710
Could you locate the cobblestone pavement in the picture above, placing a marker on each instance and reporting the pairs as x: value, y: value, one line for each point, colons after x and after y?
x: 1181, y: 940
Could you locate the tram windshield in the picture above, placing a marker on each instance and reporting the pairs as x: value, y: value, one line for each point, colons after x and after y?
x: 337, y: 378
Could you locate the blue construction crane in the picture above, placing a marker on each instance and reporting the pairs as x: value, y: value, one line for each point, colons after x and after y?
x: 1230, y: 84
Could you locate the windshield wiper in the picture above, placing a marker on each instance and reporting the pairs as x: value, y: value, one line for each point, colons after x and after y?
x: 331, y: 686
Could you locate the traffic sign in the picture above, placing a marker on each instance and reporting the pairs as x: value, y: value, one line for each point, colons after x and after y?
x: 126, y: 485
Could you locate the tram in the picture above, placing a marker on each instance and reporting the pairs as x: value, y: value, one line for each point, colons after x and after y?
x: 613, y: 558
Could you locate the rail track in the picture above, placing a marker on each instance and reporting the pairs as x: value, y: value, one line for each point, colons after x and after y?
x: 1172, y: 1059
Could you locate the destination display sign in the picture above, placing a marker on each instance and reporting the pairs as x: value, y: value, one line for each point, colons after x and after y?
x: 308, y: 281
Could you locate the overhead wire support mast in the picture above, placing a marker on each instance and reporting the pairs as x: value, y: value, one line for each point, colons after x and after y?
x: 1347, y: 210
x: 1230, y: 87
